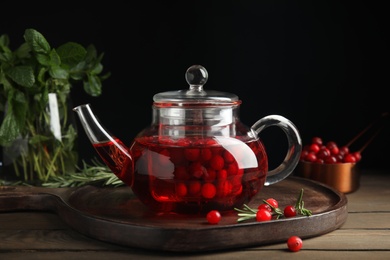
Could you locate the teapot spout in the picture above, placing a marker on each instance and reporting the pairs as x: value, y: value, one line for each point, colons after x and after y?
x: 110, y: 149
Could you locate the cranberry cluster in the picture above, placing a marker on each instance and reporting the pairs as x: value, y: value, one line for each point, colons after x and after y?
x: 319, y: 152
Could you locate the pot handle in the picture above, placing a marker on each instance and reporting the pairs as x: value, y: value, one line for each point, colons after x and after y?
x: 294, y: 146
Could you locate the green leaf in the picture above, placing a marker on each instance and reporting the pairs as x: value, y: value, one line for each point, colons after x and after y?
x: 97, y: 69
x: 9, y: 129
x: 41, y: 75
x: 22, y: 75
x: 71, y: 54
x: 23, y: 52
x: 27, y: 75
x: 4, y: 41
x: 6, y: 84
x: 58, y: 73
x: 78, y: 71
x: 55, y: 59
x: 14, y: 118
x: 91, y: 54
x: 36, y: 41
x: 93, y: 86
x: 36, y: 139
x: 43, y: 59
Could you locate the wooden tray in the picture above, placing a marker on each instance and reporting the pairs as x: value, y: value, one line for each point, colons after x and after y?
x: 114, y: 215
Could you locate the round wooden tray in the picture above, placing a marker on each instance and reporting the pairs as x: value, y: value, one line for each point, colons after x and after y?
x: 114, y: 215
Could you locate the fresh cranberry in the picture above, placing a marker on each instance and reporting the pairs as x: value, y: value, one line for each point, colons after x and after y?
x: 213, y: 217
x: 350, y: 158
x: 209, y: 190
x: 273, y: 202
x: 316, y: 140
x: 311, y: 157
x: 263, y: 215
x: 264, y: 206
x: 358, y: 156
x: 294, y: 243
x: 314, y: 148
x: 217, y: 162
x: 289, y: 211
x: 330, y: 160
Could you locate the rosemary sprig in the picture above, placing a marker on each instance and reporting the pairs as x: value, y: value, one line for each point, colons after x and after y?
x: 250, y: 213
x: 96, y: 174
x: 90, y: 174
x: 300, y: 206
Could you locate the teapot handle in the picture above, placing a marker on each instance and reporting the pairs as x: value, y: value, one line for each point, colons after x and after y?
x: 294, y: 146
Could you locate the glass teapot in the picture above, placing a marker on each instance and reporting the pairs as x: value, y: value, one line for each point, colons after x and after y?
x: 196, y: 155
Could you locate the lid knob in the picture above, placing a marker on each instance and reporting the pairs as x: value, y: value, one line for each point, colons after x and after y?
x: 196, y: 77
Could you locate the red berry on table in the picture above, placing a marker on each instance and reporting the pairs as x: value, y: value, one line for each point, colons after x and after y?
x: 294, y: 243
x: 213, y: 217
x: 289, y: 211
x: 273, y: 202
x: 263, y: 215
x: 264, y: 206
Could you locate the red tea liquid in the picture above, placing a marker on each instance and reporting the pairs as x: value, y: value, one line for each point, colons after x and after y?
x: 191, y: 175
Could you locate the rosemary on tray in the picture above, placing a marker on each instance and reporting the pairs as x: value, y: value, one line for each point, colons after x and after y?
x: 89, y: 174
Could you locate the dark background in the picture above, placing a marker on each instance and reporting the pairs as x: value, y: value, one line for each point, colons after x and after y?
x: 321, y: 64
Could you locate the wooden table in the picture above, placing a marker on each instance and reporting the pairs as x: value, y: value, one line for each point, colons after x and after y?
x: 365, y: 234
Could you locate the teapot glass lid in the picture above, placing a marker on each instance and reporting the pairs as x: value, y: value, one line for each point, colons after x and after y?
x: 196, y: 77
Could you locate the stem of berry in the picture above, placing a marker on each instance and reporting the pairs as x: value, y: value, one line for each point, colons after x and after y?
x: 300, y: 206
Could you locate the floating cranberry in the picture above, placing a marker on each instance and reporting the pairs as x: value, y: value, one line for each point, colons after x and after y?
x: 217, y: 162
x: 192, y: 154
x: 195, y: 187
x: 181, y: 189
x: 209, y: 190
x: 206, y: 154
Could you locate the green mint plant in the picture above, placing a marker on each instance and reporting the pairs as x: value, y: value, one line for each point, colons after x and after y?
x: 29, y: 76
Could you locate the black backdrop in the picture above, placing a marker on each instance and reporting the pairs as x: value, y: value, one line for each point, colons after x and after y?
x: 322, y: 64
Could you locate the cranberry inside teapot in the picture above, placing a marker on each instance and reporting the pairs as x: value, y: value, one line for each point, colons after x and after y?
x: 196, y: 174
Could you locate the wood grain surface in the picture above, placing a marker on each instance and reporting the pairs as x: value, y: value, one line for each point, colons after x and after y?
x: 37, y: 234
x: 115, y: 215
